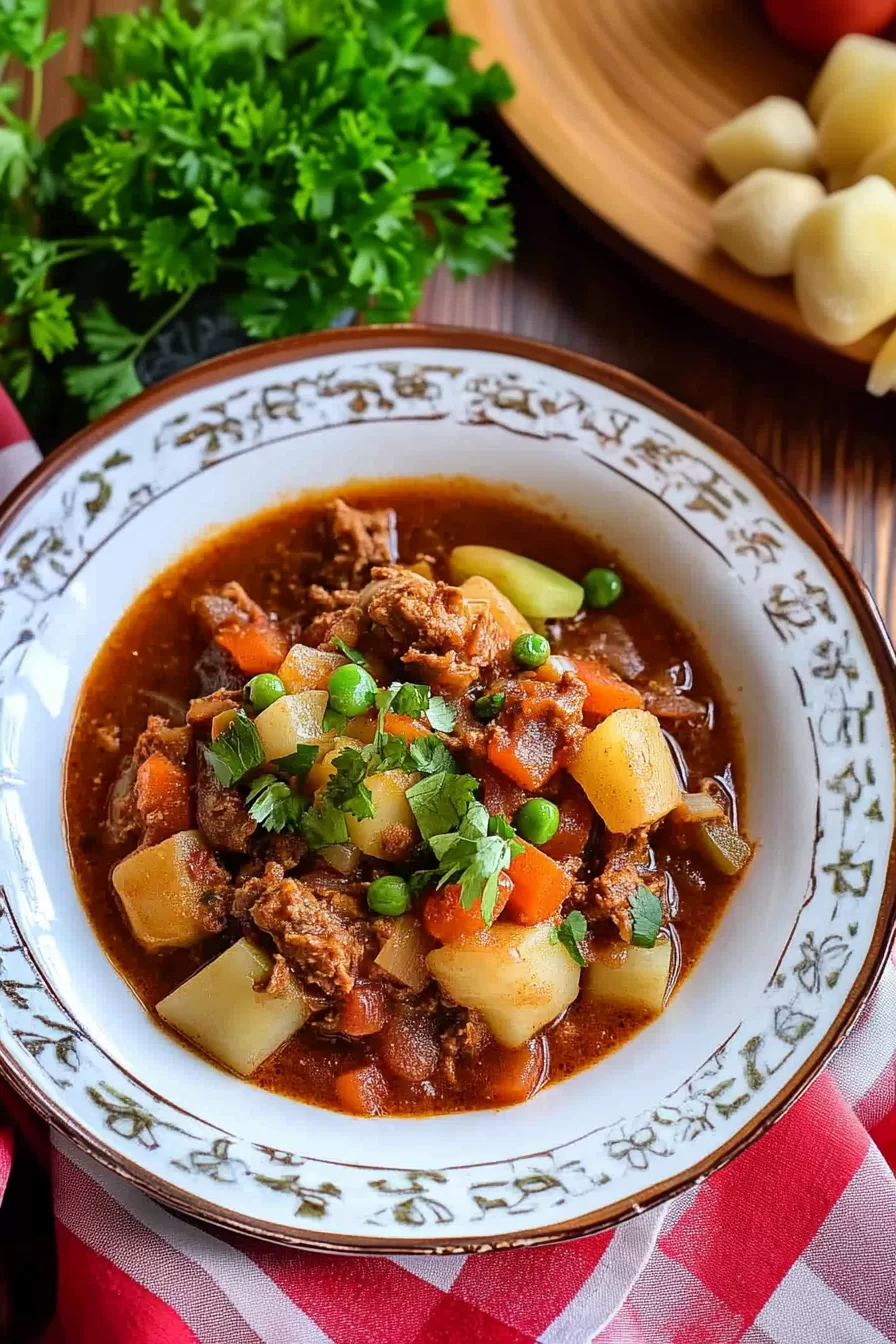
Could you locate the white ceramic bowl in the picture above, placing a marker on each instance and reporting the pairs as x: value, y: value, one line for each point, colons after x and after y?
x: 734, y: 551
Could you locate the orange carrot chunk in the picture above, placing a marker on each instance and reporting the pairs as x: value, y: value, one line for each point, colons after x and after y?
x: 606, y: 691
x: 364, y: 1091
x: 446, y: 919
x: 540, y: 886
x: 404, y: 726
x: 571, y: 837
x: 516, y: 1074
x: 260, y: 647
x: 162, y: 795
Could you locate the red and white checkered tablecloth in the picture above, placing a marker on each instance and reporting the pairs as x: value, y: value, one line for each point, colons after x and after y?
x: 792, y: 1243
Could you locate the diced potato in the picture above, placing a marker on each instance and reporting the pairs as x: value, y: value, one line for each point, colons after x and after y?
x: 404, y: 955
x: 844, y: 274
x: 423, y: 568
x: 220, y: 1010
x: 509, y: 620
x: 390, y: 833
x: 323, y: 767
x: 881, y: 162
x: 857, y: 120
x: 290, y: 720
x: 626, y: 769
x: 775, y: 133
x: 533, y: 588
x: 363, y: 728
x: 630, y: 977
x: 161, y: 888
x: 852, y: 59
x: 513, y: 975
x: 221, y: 722
x: 882, y: 374
x: 307, y: 669
x: 756, y: 221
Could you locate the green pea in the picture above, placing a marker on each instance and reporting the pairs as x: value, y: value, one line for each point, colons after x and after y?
x: 602, y: 587
x: 488, y: 707
x: 537, y: 820
x: 531, y: 650
x: 388, y: 896
x: 351, y: 689
x: 263, y: 690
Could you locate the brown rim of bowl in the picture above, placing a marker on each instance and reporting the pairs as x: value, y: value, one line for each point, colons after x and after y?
x: 800, y: 516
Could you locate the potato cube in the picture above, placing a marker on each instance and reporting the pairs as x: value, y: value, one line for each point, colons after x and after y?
x: 860, y: 117
x: 290, y: 720
x: 626, y: 769
x: 479, y: 592
x: 221, y: 1010
x: 221, y: 722
x: 852, y: 59
x: 756, y: 221
x: 843, y: 268
x: 391, y: 832
x: 323, y: 767
x: 307, y: 669
x: 882, y: 375
x: 630, y: 977
x: 776, y: 133
x: 161, y: 888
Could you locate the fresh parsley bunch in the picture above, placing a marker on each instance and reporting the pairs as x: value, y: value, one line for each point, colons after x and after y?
x: 302, y: 156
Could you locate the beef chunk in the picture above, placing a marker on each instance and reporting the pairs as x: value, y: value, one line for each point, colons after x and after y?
x: 221, y: 814
x: 663, y: 700
x: 224, y: 610
x: 123, y: 820
x: 352, y: 541
x: 629, y: 864
x: 215, y: 670
x: 611, y: 643
x: 345, y: 623
x: 463, y: 1039
x: 323, y: 945
x: 433, y: 628
x: 202, y: 711
x: 159, y: 736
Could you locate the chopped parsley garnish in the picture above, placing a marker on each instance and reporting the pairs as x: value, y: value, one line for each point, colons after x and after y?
x: 273, y: 804
x: 647, y: 916
x: 299, y: 762
x: 411, y: 699
x: 475, y: 856
x: 323, y: 826
x: 442, y: 715
x: 236, y: 751
x: 346, y: 788
x: 440, y: 802
x: 353, y: 655
x: 333, y: 721
x: 571, y: 933
x: 430, y: 756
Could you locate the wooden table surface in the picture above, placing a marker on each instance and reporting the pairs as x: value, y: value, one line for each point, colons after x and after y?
x: 835, y: 443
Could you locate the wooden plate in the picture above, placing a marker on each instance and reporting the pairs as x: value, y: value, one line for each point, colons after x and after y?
x: 614, y: 98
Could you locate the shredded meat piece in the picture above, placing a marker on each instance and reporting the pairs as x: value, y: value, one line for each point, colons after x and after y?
x: 159, y: 736
x: 324, y: 947
x: 215, y: 670
x: 230, y: 607
x: 123, y: 819
x: 666, y: 702
x: 345, y: 623
x: 611, y: 643
x: 398, y: 842
x: 628, y: 865
x: 280, y: 977
x: 352, y: 541
x: 202, y: 711
x: 221, y: 814
x: 432, y: 627
x: 463, y: 1039
x: 287, y: 850
x: 320, y: 599
x: 109, y: 737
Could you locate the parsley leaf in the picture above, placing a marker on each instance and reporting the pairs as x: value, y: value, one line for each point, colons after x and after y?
x: 333, y: 721
x: 476, y: 863
x: 647, y: 916
x: 411, y: 699
x: 441, y: 714
x: 299, y: 762
x: 236, y: 751
x: 346, y: 788
x: 430, y: 756
x: 353, y: 655
x: 103, y: 386
x: 571, y: 932
x: 323, y: 826
x: 273, y: 804
x: 440, y: 802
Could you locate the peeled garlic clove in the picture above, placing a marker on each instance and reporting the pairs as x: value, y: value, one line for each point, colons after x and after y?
x: 881, y: 162
x: 756, y: 221
x: 882, y: 375
x: 776, y: 133
x: 854, y: 57
x: 857, y: 120
x: 843, y: 270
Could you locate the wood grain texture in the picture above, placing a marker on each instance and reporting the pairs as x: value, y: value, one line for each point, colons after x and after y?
x: 615, y: 97
x: 836, y: 444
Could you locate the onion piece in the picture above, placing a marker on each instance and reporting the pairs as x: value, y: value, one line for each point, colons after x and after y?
x: 344, y: 858
x: 699, y: 807
x: 404, y: 955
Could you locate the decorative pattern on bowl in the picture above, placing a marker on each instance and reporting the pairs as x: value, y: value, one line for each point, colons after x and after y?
x: 58, y: 554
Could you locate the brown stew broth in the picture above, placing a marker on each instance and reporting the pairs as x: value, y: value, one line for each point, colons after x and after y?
x: 146, y: 666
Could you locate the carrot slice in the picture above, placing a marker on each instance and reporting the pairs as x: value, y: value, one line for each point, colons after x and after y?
x: 363, y: 1010
x: 364, y: 1091
x: 527, y: 757
x: 540, y: 886
x: 446, y: 919
x: 260, y: 647
x: 516, y: 1074
x: 162, y: 795
x: 606, y: 691
x: 571, y: 836
x: 403, y: 726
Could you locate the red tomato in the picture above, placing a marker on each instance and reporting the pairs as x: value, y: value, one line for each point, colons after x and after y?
x: 815, y: 25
